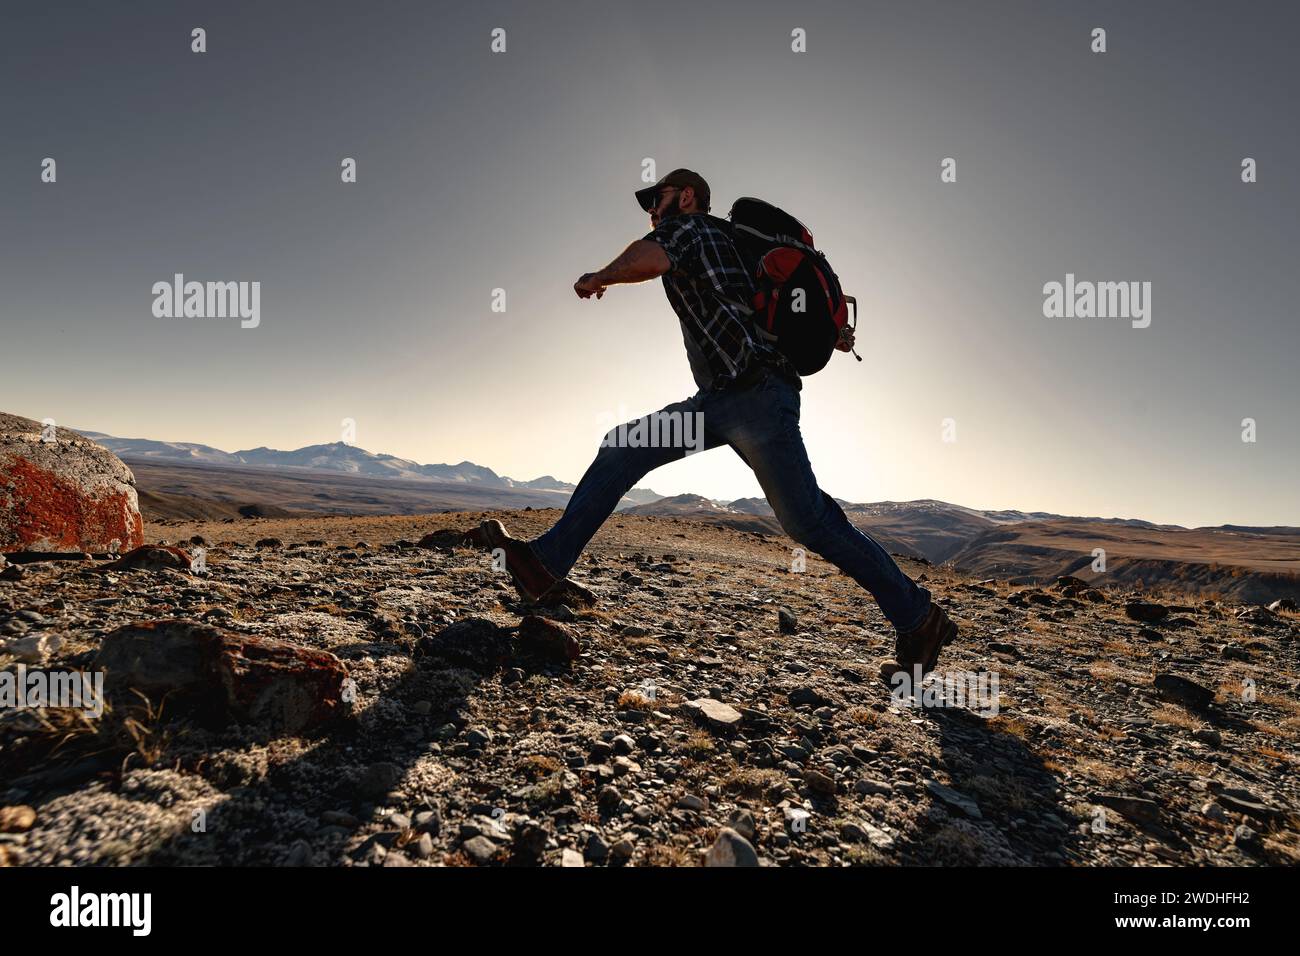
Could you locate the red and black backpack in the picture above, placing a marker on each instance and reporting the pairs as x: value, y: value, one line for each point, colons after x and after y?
x: 799, y: 306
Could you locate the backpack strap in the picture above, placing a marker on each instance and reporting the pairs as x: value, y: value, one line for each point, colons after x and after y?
x: 779, y: 240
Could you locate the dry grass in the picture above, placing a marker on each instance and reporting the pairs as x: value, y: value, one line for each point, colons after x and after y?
x: 1103, y: 773
x: 1167, y: 714
x: 134, y: 733
x: 537, y: 766
x: 1010, y: 725
x: 699, y: 745
x: 1104, y: 670
x: 664, y: 855
x: 754, y: 782
x: 1001, y: 791
x: 950, y: 846
x: 863, y: 715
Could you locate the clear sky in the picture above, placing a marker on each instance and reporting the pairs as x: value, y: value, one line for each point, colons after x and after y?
x: 481, y: 170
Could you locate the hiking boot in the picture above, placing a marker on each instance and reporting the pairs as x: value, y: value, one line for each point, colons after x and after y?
x: 530, y: 576
x: 917, y: 651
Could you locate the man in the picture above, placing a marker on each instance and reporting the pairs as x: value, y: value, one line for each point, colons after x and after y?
x: 748, y: 398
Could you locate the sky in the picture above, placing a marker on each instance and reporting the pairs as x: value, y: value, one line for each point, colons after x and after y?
x: 481, y: 170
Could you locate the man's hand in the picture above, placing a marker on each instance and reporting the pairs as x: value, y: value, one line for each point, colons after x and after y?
x: 587, y: 285
x: 845, y: 344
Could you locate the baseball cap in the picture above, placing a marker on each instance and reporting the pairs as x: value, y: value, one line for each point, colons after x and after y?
x: 678, y: 177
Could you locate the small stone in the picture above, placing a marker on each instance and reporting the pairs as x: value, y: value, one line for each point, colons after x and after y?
x: 819, y: 782
x: 480, y: 849
x: 731, y: 849
x: 596, y: 850
x: 878, y: 837
x: 1245, y: 836
x: 299, y: 854
x: 530, y: 841
x: 807, y: 696
x: 867, y: 787
x: 33, y: 649
x: 786, y: 621
x: 17, y: 819
x: 1135, y: 808
x: 692, y: 802
x: 571, y: 858
x: 624, y: 766
x: 742, y: 821
x: 954, y: 799
x: 715, y: 713
x: 379, y: 779
x: 1209, y: 737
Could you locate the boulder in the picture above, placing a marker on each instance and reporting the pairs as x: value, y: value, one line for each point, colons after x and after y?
x: 472, y: 642
x: 1182, y: 690
x: 225, y: 677
x: 66, y: 494
x: 1145, y: 611
x: 548, y: 639
x: 151, y: 558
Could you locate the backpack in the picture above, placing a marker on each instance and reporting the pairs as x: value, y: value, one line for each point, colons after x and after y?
x: 799, y: 307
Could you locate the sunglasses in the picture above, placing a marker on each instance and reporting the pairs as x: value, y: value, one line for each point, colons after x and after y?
x: 658, y: 197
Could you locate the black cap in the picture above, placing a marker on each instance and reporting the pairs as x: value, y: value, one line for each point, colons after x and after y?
x: 678, y: 177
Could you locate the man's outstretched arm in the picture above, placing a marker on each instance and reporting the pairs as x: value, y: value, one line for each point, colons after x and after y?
x: 642, y: 260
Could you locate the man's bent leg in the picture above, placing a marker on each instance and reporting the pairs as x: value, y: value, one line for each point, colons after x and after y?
x: 771, y: 444
x: 627, y: 454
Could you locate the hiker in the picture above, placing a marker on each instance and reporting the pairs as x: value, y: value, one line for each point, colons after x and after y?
x: 749, y: 399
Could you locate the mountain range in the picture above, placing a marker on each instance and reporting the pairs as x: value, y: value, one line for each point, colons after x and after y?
x: 335, y: 457
x: 183, y: 480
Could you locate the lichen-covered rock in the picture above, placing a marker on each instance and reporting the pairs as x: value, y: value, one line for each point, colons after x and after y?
x: 224, y: 676
x: 155, y: 557
x: 63, y: 494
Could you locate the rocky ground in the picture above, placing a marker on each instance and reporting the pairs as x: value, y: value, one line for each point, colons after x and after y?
x: 697, y: 723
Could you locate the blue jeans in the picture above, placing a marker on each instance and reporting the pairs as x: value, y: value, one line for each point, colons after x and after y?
x: 761, y: 422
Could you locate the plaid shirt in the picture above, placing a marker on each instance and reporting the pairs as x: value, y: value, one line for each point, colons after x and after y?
x: 706, y: 280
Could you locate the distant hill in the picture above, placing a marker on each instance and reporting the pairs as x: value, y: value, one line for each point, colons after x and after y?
x: 1240, y: 563
x: 338, y: 457
x: 1255, y: 566
x: 681, y: 505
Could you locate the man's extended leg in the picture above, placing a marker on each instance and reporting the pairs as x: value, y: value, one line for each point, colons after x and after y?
x: 627, y: 454
x: 767, y: 437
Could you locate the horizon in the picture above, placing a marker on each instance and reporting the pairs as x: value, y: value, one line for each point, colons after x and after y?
x: 479, y: 172
x: 644, y: 486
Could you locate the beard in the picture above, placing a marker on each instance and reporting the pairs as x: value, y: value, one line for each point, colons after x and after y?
x: 674, y: 209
